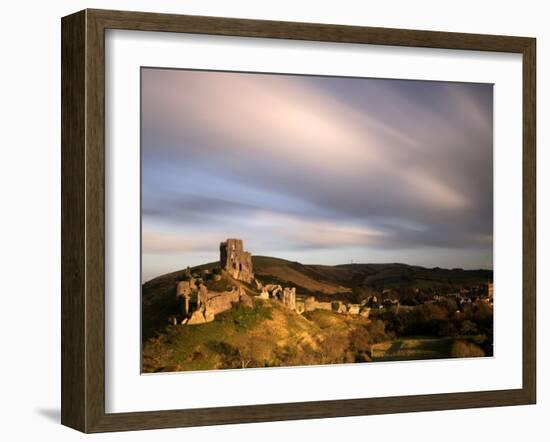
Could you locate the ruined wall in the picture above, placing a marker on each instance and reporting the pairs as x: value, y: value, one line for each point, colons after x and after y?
x: 310, y: 304
x: 289, y: 298
x: 235, y: 261
x: 212, y: 303
x: 365, y: 312
x: 183, y: 290
x: 218, y: 302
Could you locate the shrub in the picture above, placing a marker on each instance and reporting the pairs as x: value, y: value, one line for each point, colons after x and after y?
x: 483, y: 314
x: 377, y: 331
x: 250, y: 351
x: 334, y: 349
x: 295, y: 355
x: 450, y: 305
x: 427, y: 320
x: 468, y: 327
x: 466, y: 349
x: 245, y: 317
x: 228, y: 354
x: 431, y: 312
x: 362, y: 338
x: 447, y: 328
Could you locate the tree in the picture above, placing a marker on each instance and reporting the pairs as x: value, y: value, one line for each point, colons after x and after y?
x: 468, y: 327
x: 333, y: 349
x: 362, y: 338
x: 466, y: 349
x: 253, y: 351
x: 483, y: 313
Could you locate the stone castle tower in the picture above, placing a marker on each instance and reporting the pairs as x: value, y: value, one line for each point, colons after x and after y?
x: 235, y: 261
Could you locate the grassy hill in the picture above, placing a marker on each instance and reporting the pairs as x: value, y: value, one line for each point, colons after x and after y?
x: 343, y: 278
x: 306, y: 278
x: 347, y: 282
x: 266, y: 335
x: 403, y: 275
x: 269, y: 335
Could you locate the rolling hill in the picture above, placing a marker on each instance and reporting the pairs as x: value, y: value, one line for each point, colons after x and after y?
x: 266, y: 335
x: 343, y: 278
x: 346, y: 282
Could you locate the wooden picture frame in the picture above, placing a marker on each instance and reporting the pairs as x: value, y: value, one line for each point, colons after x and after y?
x: 83, y: 220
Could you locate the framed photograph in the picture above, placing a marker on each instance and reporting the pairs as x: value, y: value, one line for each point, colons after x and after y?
x: 267, y: 220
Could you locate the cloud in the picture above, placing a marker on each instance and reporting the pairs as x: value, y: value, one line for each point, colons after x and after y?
x: 316, y: 233
x: 294, y: 162
x: 163, y: 242
x: 431, y: 189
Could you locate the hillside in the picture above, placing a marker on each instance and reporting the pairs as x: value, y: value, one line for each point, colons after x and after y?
x: 266, y: 335
x: 349, y: 282
x: 403, y: 275
x: 306, y: 278
x: 344, y: 278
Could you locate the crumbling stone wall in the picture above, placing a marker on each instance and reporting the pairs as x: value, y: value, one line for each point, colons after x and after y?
x: 365, y: 312
x: 310, y: 304
x: 184, y: 290
x: 218, y: 302
x: 235, y: 261
x: 212, y: 303
x: 289, y: 298
x: 238, y: 264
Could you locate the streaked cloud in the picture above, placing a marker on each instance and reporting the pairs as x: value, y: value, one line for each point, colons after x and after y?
x: 296, y: 163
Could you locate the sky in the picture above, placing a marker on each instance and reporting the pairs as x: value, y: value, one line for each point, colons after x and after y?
x: 320, y: 170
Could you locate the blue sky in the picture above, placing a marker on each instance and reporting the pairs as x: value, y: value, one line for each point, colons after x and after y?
x: 323, y: 170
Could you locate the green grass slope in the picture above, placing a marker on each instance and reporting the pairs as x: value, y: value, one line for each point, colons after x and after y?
x: 266, y: 335
x: 340, y: 282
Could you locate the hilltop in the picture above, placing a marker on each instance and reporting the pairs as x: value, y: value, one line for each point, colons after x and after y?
x: 266, y: 334
x: 348, y: 281
x: 443, y: 313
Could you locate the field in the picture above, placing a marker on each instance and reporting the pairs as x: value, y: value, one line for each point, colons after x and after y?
x: 409, y: 349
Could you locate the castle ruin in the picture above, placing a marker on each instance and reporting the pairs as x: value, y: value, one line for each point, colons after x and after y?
x: 235, y: 261
x: 198, y: 304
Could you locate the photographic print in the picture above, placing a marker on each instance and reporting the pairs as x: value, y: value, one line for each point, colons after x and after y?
x: 299, y: 220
